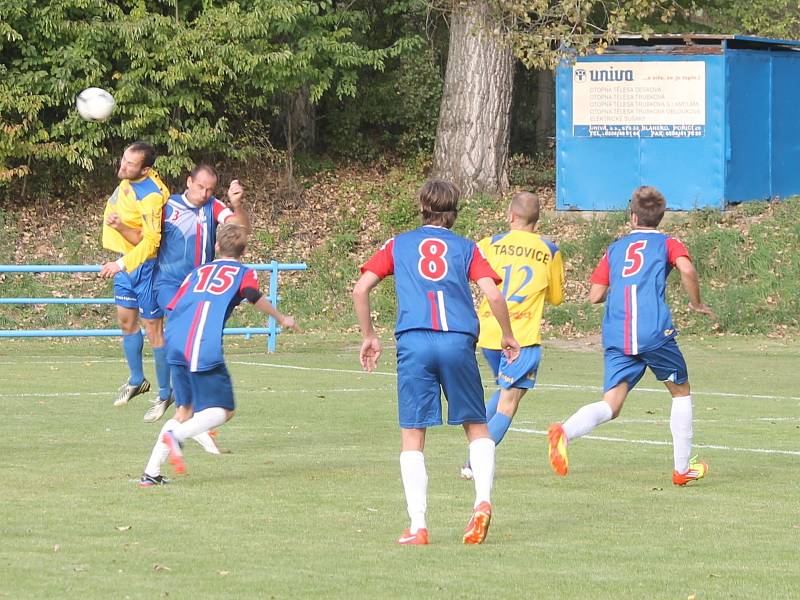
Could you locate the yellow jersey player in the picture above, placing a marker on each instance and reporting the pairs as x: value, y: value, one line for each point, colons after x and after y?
x: 136, y: 206
x: 532, y: 272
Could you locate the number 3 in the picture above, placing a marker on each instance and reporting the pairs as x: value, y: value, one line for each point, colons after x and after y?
x: 634, y: 259
x: 432, y: 264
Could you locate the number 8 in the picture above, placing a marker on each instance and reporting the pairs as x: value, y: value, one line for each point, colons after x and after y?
x: 432, y: 265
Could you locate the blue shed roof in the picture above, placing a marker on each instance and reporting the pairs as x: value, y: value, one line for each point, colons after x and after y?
x: 701, y: 39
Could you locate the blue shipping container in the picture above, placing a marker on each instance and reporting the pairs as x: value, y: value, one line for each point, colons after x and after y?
x: 709, y: 120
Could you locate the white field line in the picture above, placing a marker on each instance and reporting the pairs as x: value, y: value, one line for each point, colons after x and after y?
x: 553, y: 386
x: 241, y: 392
x: 663, y: 443
x: 541, y: 386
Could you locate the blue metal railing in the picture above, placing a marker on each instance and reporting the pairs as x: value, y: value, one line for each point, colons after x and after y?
x: 271, y: 330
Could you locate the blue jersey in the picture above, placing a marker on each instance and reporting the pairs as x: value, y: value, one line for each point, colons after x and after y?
x: 203, y: 303
x: 188, y: 236
x: 635, y: 269
x: 432, y: 268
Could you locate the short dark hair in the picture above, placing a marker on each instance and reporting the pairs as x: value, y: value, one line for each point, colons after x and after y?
x: 232, y: 240
x: 648, y: 204
x: 438, y: 201
x: 204, y: 167
x: 526, y: 206
x: 146, y: 150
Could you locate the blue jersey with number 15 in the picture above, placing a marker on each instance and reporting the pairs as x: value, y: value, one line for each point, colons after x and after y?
x: 203, y: 303
x: 432, y: 268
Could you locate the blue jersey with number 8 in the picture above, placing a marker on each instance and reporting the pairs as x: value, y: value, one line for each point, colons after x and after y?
x: 432, y: 268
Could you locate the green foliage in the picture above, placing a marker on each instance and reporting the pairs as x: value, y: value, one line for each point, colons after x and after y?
x: 198, y: 83
x: 396, y: 109
x: 532, y: 171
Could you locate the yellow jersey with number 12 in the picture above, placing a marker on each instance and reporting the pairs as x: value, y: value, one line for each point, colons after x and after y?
x: 532, y: 271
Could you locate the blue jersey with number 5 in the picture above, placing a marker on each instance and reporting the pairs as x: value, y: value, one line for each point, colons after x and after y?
x: 432, y: 268
x: 203, y: 303
x: 635, y: 267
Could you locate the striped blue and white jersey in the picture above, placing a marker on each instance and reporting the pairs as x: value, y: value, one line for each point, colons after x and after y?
x: 188, y: 235
x: 432, y: 268
x: 635, y: 269
x: 199, y: 310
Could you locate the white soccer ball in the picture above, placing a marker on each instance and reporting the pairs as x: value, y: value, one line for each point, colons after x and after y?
x: 95, y: 104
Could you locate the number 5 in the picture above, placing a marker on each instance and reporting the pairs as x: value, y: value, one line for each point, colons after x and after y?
x: 634, y: 259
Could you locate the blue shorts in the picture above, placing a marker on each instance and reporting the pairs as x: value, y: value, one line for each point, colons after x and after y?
x: 165, y: 292
x: 666, y: 363
x: 202, y: 389
x: 136, y: 290
x: 520, y: 374
x: 429, y: 362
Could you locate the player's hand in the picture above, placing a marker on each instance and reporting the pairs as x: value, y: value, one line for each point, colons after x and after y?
x: 109, y: 269
x: 288, y: 322
x: 370, y: 353
x: 702, y: 309
x: 235, y: 193
x: 114, y: 221
x: 510, y: 348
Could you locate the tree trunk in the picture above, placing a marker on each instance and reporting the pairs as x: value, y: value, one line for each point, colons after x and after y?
x: 545, y: 111
x: 473, y: 132
x: 303, y: 116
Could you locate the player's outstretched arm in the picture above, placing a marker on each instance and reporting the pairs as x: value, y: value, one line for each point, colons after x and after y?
x: 371, y: 345
x: 691, y: 283
x: 285, y: 321
x: 499, y: 308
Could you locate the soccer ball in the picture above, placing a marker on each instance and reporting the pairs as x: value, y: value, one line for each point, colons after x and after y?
x: 95, y: 104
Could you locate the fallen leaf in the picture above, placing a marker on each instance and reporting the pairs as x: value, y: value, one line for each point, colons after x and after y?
x: 223, y: 573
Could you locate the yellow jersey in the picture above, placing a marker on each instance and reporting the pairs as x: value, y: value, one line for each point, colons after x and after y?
x: 532, y: 271
x: 139, y: 204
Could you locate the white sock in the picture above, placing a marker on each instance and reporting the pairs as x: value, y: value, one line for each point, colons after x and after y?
x: 481, y: 459
x: 415, y: 484
x: 587, y: 418
x: 160, y: 451
x: 200, y: 422
x: 207, y: 442
x: 680, y: 423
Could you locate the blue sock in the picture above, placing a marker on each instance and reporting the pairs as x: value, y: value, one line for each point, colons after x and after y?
x: 498, y: 425
x: 162, y: 372
x: 132, y: 344
x: 491, y: 407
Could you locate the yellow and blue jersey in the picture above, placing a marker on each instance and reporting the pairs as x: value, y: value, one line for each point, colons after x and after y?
x: 532, y: 271
x: 139, y: 205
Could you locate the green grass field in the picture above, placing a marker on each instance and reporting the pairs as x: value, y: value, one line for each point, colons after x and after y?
x: 310, y: 502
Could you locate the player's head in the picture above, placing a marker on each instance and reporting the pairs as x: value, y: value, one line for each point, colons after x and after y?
x: 647, y: 206
x: 524, y: 210
x: 136, y: 161
x: 200, y: 184
x: 438, y: 202
x: 231, y: 240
